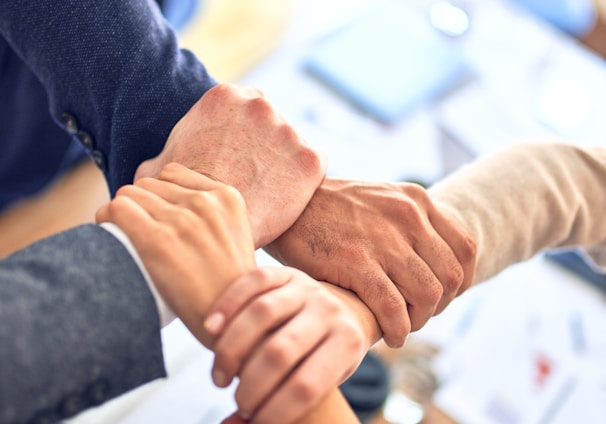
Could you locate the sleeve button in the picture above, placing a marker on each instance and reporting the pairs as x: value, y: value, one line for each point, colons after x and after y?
x: 99, y: 159
x: 70, y: 123
x: 85, y: 138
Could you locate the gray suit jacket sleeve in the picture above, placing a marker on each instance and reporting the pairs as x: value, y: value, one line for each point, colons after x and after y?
x: 78, y: 326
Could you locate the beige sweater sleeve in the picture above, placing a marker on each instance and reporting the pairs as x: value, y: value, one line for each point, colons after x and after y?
x: 527, y: 198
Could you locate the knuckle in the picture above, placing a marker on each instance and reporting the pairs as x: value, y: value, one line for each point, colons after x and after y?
x: 433, y: 292
x: 469, y: 248
x: 278, y: 352
x: 287, y: 134
x: 261, y: 107
x: 143, y: 182
x: 183, y: 222
x: 410, y: 211
x: 332, y: 305
x: 355, y: 337
x: 197, y: 200
x: 232, y: 197
x: 168, y: 170
x: 305, y: 390
x: 223, y: 93
x: 453, y: 279
x: 263, y: 309
x: 221, y: 89
x: 309, y: 160
x: 416, y: 191
x: 226, y: 357
x: 261, y: 277
x: 356, y: 252
x: 433, y: 295
x: 125, y: 190
x: 393, y: 303
x: 116, y: 206
x: 320, y: 295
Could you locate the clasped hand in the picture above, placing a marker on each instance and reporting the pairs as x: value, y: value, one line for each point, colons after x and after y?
x: 275, y: 328
x: 386, y: 242
x: 235, y: 136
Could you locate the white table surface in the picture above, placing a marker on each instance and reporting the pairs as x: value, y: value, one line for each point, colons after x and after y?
x: 523, y: 71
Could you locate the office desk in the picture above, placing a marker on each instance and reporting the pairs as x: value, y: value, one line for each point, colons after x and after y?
x: 522, y: 69
x: 527, y: 346
x: 530, y: 82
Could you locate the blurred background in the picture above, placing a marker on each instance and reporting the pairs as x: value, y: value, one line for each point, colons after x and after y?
x: 406, y: 90
x: 411, y: 90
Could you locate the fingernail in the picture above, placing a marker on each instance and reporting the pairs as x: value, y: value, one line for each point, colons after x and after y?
x: 214, y: 322
x: 244, y: 415
x: 219, y: 378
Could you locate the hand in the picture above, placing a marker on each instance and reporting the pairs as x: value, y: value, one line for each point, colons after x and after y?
x: 386, y: 242
x: 233, y: 135
x: 193, y: 242
x: 289, y: 339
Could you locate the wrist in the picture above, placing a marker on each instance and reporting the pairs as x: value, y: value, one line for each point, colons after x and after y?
x: 366, y: 319
x: 165, y: 313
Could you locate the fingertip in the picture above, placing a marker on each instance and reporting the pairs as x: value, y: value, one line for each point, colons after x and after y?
x: 101, y: 215
x: 393, y: 342
x: 244, y: 415
x: 234, y: 419
x: 396, y: 333
x: 214, y: 323
x: 220, y: 378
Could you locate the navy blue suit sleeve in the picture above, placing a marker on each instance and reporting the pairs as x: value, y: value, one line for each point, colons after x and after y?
x: 78, y: 326
x: 114, y: 74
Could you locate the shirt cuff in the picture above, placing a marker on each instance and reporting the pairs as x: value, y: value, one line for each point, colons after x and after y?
x: 165, y: 313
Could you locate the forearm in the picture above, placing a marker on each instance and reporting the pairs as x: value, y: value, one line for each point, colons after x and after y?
x: 76, y: 322
x: 366, y: 318
x: 334, y: 409
x: 527, y: 198
x: 115, y: 66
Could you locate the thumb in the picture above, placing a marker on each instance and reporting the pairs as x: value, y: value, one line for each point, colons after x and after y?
x: 234, y: 419
x: 149, y: 168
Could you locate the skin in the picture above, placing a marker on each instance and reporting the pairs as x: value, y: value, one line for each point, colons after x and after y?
x: 328, y: 228
x: 278, y: 329
x: 171, y: 225
x: 386, y: 242
x: 235, y: 136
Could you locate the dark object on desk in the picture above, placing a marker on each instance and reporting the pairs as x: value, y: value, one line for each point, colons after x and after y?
x: 388, y: 62
x: 367, y: 389
x: 575, y: 261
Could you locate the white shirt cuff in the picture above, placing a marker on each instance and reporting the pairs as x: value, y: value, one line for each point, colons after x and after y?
x: 165, y: 313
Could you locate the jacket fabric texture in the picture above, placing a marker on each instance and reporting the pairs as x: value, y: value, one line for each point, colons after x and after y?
x: 105, y: 80
x: 78, y: 326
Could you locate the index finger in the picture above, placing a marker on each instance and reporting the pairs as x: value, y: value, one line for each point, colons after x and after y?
x: 388, y: 305
x: 462, y: 245
x: 183, y: 176
x: 241, y: 292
